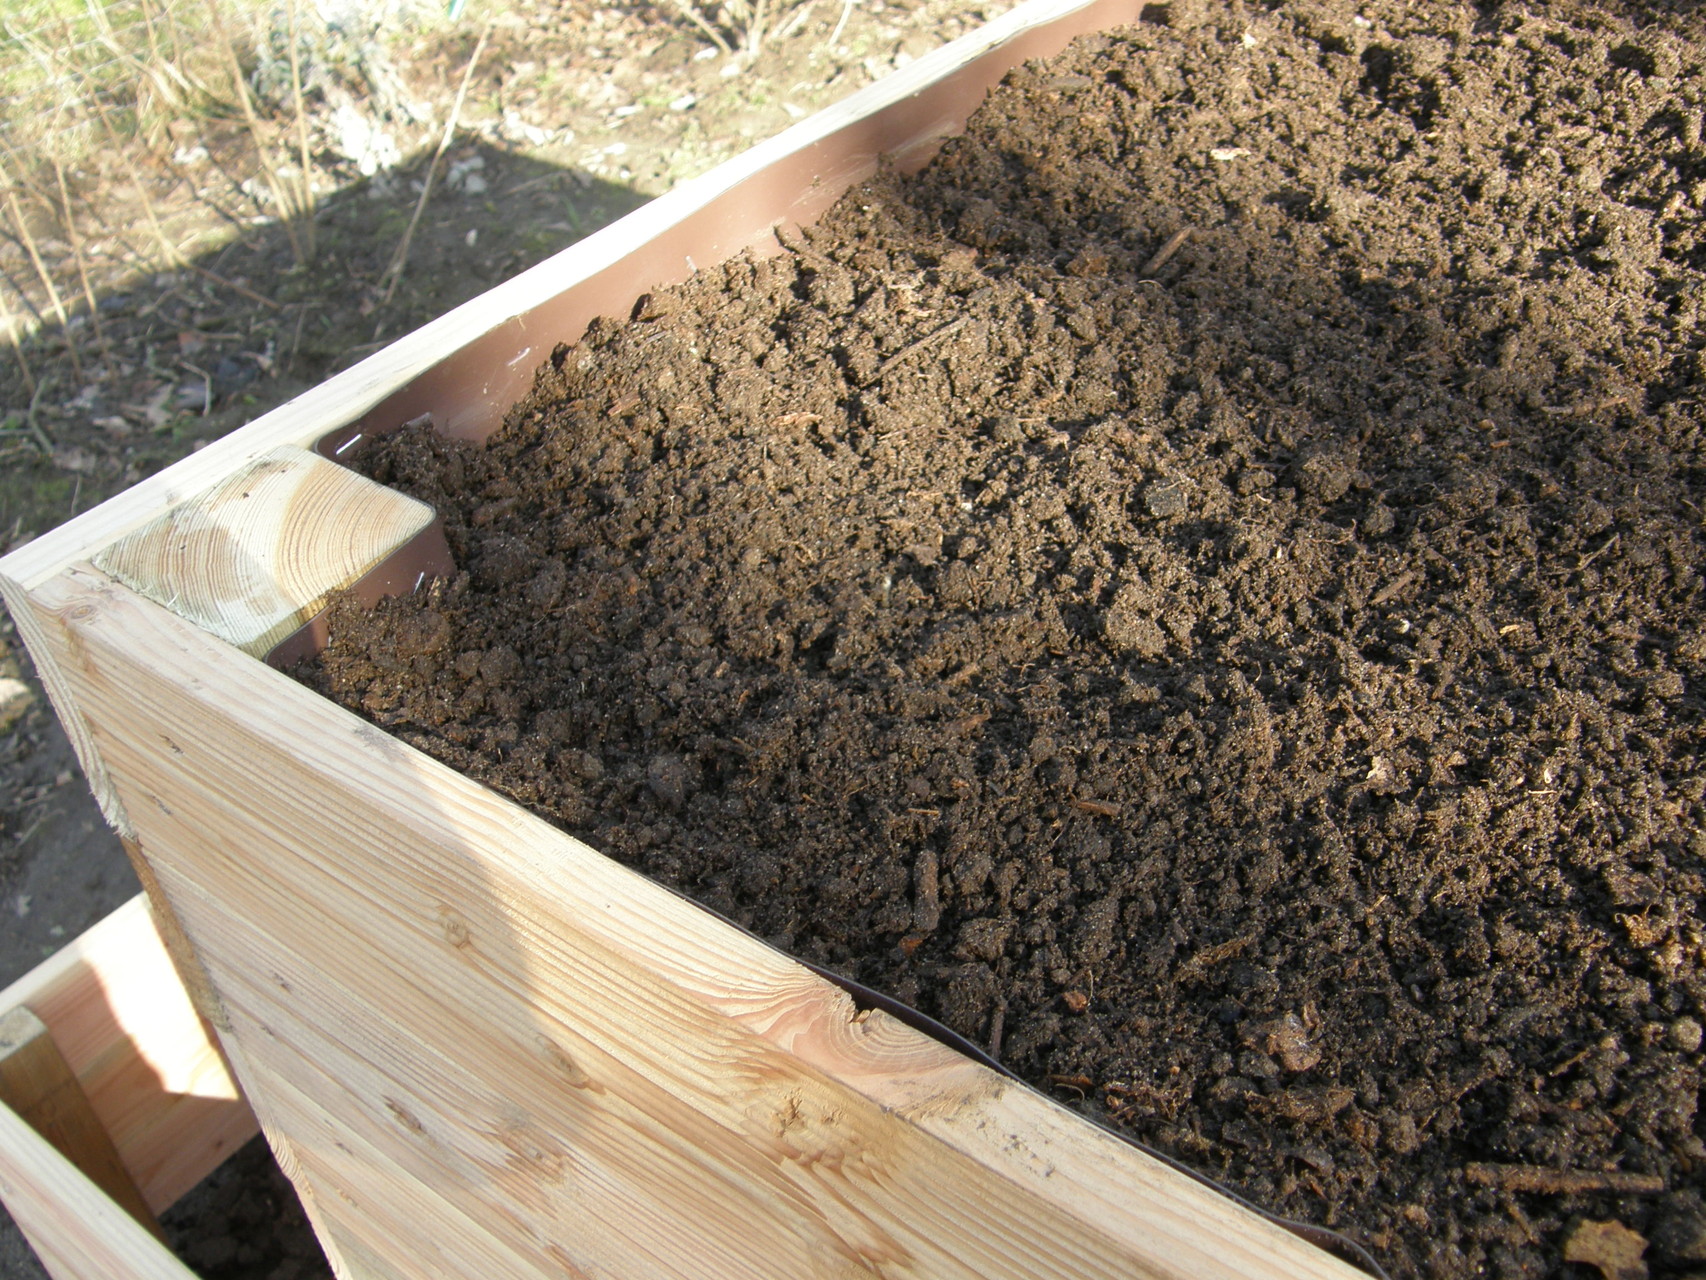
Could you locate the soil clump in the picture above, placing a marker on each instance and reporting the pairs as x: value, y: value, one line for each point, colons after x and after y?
x: 1199, y: 589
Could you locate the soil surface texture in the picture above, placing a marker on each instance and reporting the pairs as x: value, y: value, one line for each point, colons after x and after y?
x: 244, y: 1222
x: 1199, y: 589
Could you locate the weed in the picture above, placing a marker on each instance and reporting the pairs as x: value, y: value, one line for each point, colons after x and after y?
x: 743, y: 27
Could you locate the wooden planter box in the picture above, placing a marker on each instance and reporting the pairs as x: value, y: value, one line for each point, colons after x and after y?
x: 478, y: 1047
x: 129, y: 1088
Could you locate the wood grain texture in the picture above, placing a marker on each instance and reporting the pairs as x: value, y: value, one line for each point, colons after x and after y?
x: 39, y: 1086
x: 466, y: 367
x: 144, y: 1060
x: 257, y: 554
x: 463, y: 1020
x: 75, y: 1229
x: 47, y: 669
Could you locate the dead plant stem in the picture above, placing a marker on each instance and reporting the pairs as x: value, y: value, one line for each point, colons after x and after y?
x: 75, y: 239
x: 306, y: 158
x: 841, y: 23
x: 27, y: 239
x: 690, y: 11
x: 287, y: 211
x: 11, y: 321
x: 400, y: 259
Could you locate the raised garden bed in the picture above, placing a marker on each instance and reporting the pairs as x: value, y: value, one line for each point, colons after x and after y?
x: 477, y: 1046
x: 1374, y: 547
x: 1188, y: 589
x: 1199, y: 589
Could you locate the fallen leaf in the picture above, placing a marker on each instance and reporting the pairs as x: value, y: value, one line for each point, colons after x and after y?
x: 1286, y: 1039
x: 153, y: 411
x: 15, y: 700
x: 1610, y: 1246
x: 74, y: 457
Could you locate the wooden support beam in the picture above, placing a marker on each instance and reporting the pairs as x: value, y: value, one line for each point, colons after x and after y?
x: 113, y: 1003
x: 76, y: 1229
x: 255, y: 556
x: 38, y: 1084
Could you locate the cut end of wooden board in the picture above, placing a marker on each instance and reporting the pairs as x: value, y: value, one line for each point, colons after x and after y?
x: 257, y: 555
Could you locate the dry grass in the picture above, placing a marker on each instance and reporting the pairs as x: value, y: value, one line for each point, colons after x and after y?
x: 100, y: 95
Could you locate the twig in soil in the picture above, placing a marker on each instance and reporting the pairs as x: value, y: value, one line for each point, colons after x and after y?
x: 692, y: 14
x: 796, y: 22
x: 1166, y: 251
x: 1394, y: 587
x: 215, y: 278
x: 44, y: 442
x: 296, y: 339
x: 1562, y: 1182
x: 206, y: 386
x: 912, y: 347
x: 840, y: 24
x: 400, y: 259
x: 1588, y: 559
x: 30, y: 830
x: 997, y: 1024
x: 1083, y: 1084
x: 1519, y: 1217
x: 1586, y: 409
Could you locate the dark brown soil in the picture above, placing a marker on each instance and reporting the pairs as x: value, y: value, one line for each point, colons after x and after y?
x: 244, y: 1222
x: 1256, y: 689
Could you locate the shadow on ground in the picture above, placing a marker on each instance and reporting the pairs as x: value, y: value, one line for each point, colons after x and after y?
x: 182, y: 358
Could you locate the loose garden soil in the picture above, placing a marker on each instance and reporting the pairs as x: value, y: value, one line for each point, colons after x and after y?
x: 1199, y: 589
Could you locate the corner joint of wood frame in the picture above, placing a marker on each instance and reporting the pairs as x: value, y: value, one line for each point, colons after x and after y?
x: 256, y: 555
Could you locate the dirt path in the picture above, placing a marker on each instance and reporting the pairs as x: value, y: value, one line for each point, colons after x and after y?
x: 1200, y: 590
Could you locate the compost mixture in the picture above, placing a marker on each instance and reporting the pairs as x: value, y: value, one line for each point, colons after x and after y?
x: 1199, y: 590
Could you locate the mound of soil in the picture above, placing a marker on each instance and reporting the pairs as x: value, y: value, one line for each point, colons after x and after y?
x: 1200, y: 590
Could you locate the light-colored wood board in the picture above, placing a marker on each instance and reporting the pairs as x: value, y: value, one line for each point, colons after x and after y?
x: 118, y: 1013
x: 76, y: 1230
x: 473, y: 1113
x: 511, y: 328
x: 477, y: 934
x: 255, y: 556
x: 39, y: 1086
x: 24, y: 618
x: 176, y: 944
x: 335, y: 1247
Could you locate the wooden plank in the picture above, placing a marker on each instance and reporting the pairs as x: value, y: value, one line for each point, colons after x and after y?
x: 258, y: 554
x: 76, y: 729
x: 40, y: 1087
x: 76, y: 1230
x: 468, y: 366
x: 559, y: 1049
x: 113, y: 1003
